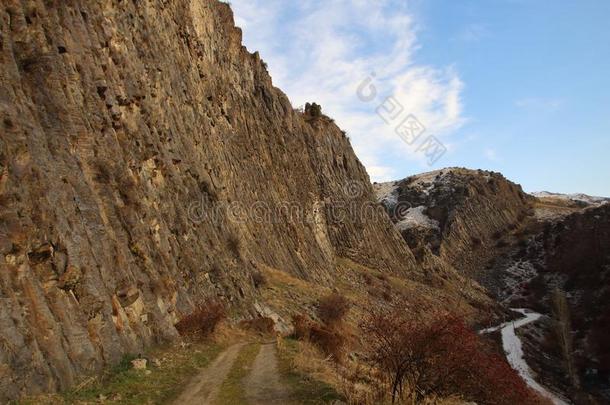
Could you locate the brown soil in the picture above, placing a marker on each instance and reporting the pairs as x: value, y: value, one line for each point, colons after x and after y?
x: 263, y: 385
x: 205, y: 387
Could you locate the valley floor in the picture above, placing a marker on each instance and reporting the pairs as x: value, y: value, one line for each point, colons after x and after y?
x: 513, y: 349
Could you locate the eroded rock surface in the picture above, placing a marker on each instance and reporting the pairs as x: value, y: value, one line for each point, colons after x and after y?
x: 146, y: 163
x: 459, y: 215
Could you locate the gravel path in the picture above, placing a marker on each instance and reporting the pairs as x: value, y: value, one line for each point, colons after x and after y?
x: 205, y: 387
x: 263, y: 385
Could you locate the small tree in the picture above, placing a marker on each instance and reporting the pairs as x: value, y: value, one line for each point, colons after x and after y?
x: 439, y: 355
x: 313, y: 109
x: 563, y: 331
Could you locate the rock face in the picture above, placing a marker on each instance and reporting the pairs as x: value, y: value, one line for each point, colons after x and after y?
x: 146, y: 163
x: 574, y: 257
x: 460, y: 215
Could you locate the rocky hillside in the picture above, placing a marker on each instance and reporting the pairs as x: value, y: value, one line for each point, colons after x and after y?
x: 462, y: 216
x: 573, y: 257
x: 582, y: 200
x: 146, y: 163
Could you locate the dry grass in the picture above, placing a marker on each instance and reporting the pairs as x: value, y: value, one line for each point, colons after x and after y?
x: 310, y: 376
x: 309, y: 359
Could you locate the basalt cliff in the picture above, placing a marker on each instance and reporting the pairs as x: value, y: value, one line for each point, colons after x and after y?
x: 147, y: 163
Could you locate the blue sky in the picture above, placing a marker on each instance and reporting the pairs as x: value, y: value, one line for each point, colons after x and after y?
x: 517, y: 86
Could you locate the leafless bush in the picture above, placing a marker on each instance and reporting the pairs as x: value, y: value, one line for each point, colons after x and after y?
x: 103, y: 172
x: 333, y: 308
x: 330, y: 341
x: 263, y: 325
x: 302, y: 325
x: 203, y: 321
x: 259, y: 279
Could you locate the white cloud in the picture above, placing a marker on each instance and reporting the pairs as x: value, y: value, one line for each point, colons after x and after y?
x: 539, y: 104
x: 474, y: 32
x: 381, y: 173
x: 322, y: 51
x: 491, y: 154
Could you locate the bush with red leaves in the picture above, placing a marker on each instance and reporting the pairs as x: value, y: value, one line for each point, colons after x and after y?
x: 203, y: 321
x: 440, y: 356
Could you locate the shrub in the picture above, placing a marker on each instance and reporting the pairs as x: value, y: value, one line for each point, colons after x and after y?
x: 262, y: 324
x: 127, y: 191
x: 302, y: 325
x: 259, y: 279
x: 103, y: 172
x: 203, y: 321
x: 333, y: 308
x: 386, y: 295
x: 502, y: 243
x: 440, y: 356
x: 234, y: 244
x: 313, y: 110
x: 329, y: 340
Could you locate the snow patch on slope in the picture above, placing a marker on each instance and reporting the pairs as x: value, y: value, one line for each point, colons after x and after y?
x: 387, y: 194
x: 579, y: 197
x: 415, y: 218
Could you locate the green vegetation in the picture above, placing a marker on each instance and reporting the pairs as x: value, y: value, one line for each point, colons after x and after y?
x: 232, y: 390
x: 125, y: 385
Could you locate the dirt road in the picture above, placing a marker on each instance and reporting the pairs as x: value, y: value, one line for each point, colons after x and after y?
x: 205, y: 387
x: 262, y: 386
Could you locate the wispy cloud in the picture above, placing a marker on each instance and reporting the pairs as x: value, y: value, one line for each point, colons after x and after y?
x: 491, y: 154
x: 322, y: 50
x: 539, y: 104
x: 474, y: 32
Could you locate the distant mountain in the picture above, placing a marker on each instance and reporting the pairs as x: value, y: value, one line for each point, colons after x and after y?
x: 461, y: 215
x: 578, y: 198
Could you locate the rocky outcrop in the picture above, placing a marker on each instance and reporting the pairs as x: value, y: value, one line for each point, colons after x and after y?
x: 146, y: 163
x: 573, y: 257
x: 460, y: 215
